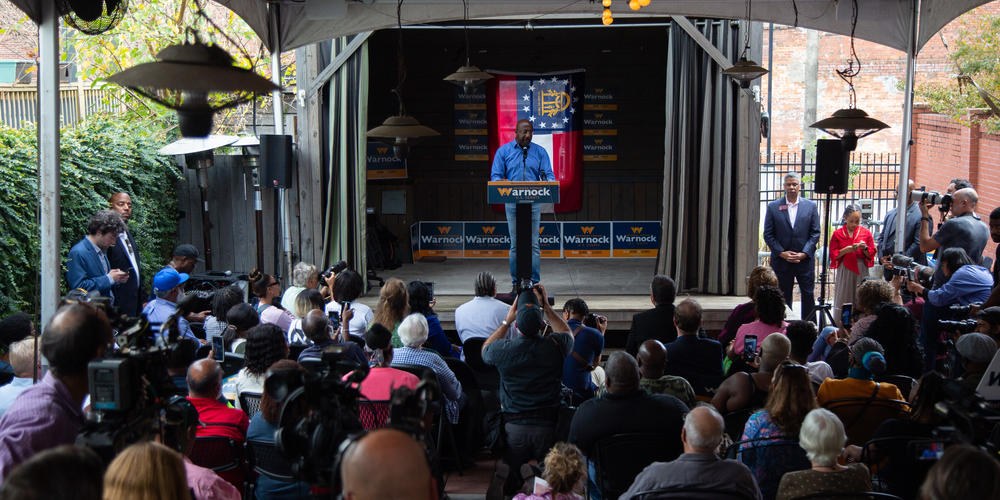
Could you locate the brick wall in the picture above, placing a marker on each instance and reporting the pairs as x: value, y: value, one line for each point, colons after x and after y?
x: 943, y: 150
x: 879, y: 87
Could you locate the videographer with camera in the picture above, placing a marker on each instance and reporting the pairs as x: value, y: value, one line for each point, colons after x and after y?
x: 49, y: 413
x: 975, y: 351
x: 886, y: 242
x: 531, y: 368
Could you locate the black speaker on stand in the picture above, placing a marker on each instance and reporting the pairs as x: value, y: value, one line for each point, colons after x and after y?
x: 833, y: 164
x: 276, y: 160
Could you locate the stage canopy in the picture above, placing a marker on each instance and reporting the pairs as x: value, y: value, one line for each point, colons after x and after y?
x: 301, y: 23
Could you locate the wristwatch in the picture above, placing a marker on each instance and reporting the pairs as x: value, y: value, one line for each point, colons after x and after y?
x: 505, y: 323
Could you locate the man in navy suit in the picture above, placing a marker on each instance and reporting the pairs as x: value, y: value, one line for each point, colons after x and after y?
x: 87, y: 266
x: 791, y: 231
x: 124, y: 255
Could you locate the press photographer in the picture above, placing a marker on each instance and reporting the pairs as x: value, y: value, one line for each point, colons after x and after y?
x: 962, y: 282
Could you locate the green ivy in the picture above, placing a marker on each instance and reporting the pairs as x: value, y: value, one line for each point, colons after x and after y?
x: 99, y: 157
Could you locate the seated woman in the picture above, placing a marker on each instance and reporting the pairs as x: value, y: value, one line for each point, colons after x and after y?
x: 790, y: 400
x: 346, y: 290
x: 382, y: 378
x: 867, y: 360
x: 262, y: 428
x: 146, y: 470
x: 268, y: 290
x: 871, y: 294
x: 896, y: 330
x: 413, y: 335
x: 565, y: 469
x: 770, y: 307
x: 241, y: 318
x: 422, y: 302
x: 306, y: 301
x: 745, y: 312
x: 964, y: 471
x: 393, y: 305
x: 265, y: 345
x: 743, y: 390
x: 823, y: 438
x: 222, y: 301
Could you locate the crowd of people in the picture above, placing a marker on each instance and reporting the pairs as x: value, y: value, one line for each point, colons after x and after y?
x: 767, y: 408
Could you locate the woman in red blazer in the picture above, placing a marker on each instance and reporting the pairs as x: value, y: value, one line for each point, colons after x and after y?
x: 852, y: 253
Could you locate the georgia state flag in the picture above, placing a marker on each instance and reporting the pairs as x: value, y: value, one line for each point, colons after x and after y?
x: 553, y: 104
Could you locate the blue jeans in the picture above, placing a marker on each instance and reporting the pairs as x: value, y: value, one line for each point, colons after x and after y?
x: 536, y: 251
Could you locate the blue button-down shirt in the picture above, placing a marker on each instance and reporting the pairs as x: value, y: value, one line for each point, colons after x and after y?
x: 158, y: 310
x: 509, y: 160
x: 10, y: 392
x: 970, y: 284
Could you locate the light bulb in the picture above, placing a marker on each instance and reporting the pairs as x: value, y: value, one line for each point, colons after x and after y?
x: 643, y: 3
x: 607, y: 13
x: 608, y: 20
x: 633, y: 4
x: 606, y: 3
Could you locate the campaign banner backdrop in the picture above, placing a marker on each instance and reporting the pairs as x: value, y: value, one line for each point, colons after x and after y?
x: 586, y: 239
x: 550, y: 239
x: 486, y: 239
x: 382, y: 164
x: 471, y: 142
x: 600, y: 148
x: 599, y: 122
x: 491, y: 239
x: 552, y: 103
x: 442, y: 239
x: 635, y: 239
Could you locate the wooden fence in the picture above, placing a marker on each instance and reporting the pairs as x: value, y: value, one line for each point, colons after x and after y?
x: 19, y: 103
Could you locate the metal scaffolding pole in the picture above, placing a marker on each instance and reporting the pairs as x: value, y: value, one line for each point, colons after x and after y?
x: 48, y: 158
x: 904, y: 153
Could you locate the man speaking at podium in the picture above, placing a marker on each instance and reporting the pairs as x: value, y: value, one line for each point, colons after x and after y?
x: 520, y: 160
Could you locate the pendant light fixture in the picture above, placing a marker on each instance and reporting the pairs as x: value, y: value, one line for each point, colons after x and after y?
x: 850, y: 124
x: 468, y: 76
x: 196, y: 80
x: 402, y: 130
x: 745, y: 70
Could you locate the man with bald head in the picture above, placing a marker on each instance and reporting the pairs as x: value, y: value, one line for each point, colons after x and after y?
x: 316, y: 326
x: 652, y: 361
x: 749, y: 390
x: 521, y: 160
x: 386, y: 463
x: 124, y: 255
x: 626, y: 409
x: 966, y: 230
x: 204, y: 379
x: 699, y: 467
x: 49, y: 413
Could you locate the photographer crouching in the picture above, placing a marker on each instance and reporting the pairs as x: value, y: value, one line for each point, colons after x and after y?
x: 962, y: 283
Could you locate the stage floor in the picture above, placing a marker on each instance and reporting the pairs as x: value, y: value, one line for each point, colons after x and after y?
x: 561, y: 277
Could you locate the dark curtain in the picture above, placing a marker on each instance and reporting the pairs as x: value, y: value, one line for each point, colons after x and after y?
x: 698, y: 248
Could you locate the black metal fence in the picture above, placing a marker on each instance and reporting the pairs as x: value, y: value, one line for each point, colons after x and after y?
x: 874, y: 176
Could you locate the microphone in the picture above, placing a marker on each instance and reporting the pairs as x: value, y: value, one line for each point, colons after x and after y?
x: 524, y: 152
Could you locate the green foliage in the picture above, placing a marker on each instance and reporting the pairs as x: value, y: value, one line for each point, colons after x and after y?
x: 98, y: 157
x: 974, y: 51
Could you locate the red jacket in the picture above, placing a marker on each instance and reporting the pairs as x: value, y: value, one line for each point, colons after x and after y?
x: 841, y: 240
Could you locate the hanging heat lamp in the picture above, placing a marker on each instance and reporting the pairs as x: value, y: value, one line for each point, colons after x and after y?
x: 402, y: 130
x: 745, y: 70
x: 468, y: 76
x: 196, y: 80
x: 850, y: 124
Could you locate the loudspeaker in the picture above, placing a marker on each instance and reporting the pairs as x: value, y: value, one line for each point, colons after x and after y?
x: 276, y: 161
x: 832, y: 167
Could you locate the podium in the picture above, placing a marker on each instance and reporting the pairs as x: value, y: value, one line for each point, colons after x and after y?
x: 524, y: 194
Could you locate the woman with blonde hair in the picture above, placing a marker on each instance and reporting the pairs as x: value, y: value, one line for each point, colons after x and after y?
x: 393, y: 305
x: 146, y: 471
x: 564, y: 470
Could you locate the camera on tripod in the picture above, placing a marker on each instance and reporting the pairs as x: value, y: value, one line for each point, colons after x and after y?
x: 933, y: 197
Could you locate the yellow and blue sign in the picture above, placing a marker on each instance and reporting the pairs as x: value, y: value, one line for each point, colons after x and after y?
x: 600, y: 147
x: 635, y: 239
x: 471, y: 140
x: 520, y: 191
x: 382, y: 163
x: 491, y: 239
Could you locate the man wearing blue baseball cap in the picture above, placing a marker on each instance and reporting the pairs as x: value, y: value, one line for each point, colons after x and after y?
x: 167, y: 288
